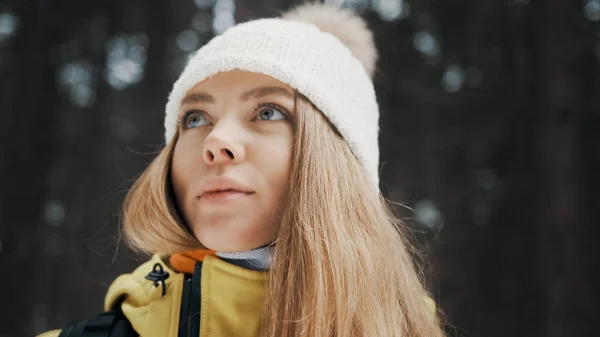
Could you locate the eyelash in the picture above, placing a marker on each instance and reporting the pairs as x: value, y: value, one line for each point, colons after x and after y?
x: 181, y: 121
x: 255, y: 113
x: 270, y: 105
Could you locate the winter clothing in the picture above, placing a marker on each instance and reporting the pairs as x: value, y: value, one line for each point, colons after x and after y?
x: 314, y: 58
x: 230, y: 300
x: 186, y: 261
x: 255, y: 259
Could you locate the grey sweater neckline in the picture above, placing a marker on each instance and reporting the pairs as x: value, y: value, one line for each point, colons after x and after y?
x: 256, y: 259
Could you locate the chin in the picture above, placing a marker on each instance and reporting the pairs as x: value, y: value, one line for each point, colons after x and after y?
x: 228, y: 241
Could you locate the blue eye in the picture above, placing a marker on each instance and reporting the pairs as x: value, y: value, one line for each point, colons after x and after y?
x: 271, y: 114
x: 194, y: 119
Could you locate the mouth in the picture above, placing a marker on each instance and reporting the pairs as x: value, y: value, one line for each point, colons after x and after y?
x: 223, y: 190
x: 224, y: 195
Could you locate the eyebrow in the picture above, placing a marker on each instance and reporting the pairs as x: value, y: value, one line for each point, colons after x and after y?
x: 198, y: 98
x: 252, y: 93
x: 264, y: 91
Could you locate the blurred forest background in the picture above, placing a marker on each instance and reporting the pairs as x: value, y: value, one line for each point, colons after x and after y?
x: 490, y: 133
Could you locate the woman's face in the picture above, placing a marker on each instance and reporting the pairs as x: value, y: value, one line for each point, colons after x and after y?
x: 231, y: 163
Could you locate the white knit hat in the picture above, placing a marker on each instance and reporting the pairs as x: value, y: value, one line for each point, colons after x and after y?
x: 329, y: 58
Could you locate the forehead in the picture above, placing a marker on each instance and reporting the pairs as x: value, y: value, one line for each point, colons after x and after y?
x: 236, y: 80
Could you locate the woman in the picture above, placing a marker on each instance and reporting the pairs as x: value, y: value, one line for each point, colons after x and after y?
x: 263, y: 211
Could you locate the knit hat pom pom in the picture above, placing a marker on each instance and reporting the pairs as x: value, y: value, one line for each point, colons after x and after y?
x: 348, y: 27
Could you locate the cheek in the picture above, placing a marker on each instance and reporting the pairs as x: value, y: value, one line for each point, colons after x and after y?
x: 184, y: 167
x: 178, y: 175
x: 277, y: 163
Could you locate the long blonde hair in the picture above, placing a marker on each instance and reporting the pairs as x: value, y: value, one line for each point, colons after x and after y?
x: 341, y: 266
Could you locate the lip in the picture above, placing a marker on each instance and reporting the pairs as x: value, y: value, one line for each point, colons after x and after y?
x: 222, y: 189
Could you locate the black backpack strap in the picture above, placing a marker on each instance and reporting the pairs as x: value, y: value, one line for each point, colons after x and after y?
x: 108, y: 324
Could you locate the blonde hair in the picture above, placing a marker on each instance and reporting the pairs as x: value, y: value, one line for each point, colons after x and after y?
x: 341, y: 266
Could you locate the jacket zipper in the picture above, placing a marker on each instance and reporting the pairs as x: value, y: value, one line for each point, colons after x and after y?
x: 184, y: 312
x: 189, y: 317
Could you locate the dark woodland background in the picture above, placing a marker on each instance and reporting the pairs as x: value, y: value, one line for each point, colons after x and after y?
x: 490, y: 133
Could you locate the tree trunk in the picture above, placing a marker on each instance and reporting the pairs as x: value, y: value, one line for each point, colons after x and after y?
x: 562, y: 52
x: 28, y: 97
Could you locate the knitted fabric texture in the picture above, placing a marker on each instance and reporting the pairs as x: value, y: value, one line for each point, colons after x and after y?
x: 316, y: 64
x: 255, y: 259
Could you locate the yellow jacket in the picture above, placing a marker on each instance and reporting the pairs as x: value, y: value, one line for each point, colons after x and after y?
x: 231, y: 301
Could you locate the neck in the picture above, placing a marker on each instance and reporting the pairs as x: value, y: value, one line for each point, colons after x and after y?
x: 255, y: 259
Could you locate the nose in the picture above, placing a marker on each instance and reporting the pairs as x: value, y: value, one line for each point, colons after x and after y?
x: 220, y: 147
